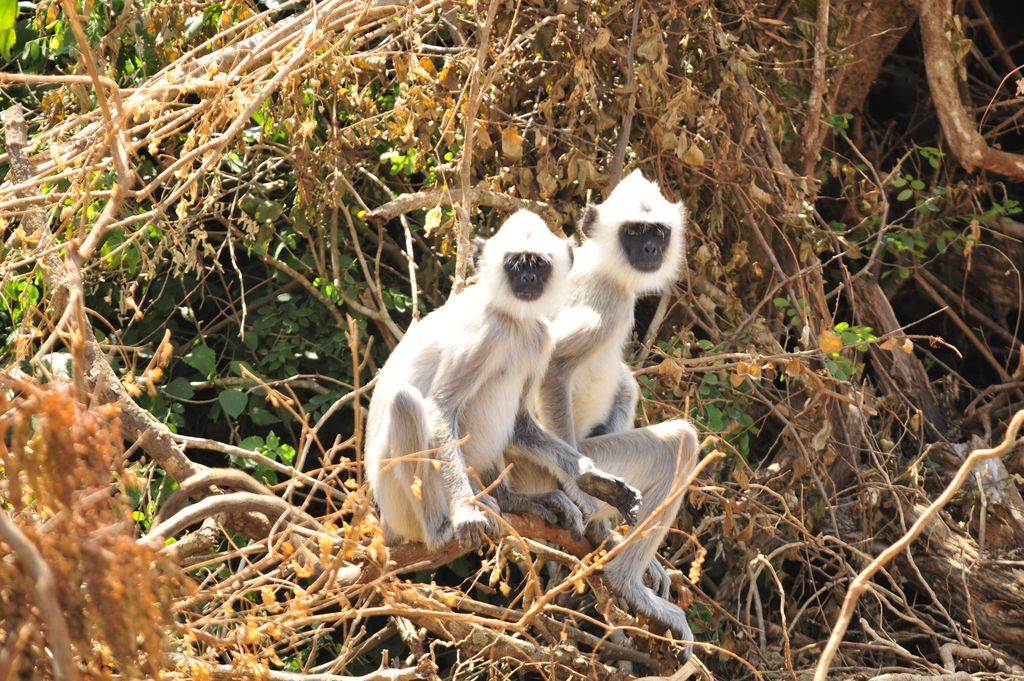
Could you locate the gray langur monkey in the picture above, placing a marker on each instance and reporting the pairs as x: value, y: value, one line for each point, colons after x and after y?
x: 634, y: 245
x: 451, y: 397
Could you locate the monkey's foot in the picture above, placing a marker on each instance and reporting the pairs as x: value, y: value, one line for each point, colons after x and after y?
x: 471, y: 526
x: 658, y: 578
x: 658, y: 611
x: 555, y: 508
x: 613, y: 491
x: 558, y: 509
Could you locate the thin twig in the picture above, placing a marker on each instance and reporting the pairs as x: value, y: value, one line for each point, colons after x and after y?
x: 813, y: 139
x: 619, y: 159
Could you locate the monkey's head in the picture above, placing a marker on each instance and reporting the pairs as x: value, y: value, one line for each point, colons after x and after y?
x: 524, y: 267
x: 638, y: 233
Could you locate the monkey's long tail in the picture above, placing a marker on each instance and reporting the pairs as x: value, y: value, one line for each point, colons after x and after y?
x: 645, y: 602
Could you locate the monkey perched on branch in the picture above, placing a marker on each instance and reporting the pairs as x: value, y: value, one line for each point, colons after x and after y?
x: 634, y: 245
x: 452, y: 397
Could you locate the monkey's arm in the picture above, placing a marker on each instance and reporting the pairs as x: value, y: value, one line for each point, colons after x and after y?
x: 573, y: 471
x: 447, y: 397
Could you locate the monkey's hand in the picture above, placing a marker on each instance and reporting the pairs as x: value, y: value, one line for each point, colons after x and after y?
x: 613, y: 491
x: 556, y: 508
x: 471, y: 525
x: 583, y: 501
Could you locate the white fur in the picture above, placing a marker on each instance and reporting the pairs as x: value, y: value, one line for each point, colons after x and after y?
x: 438, y: 372
x: 634, y: 199
x: 524, y: 231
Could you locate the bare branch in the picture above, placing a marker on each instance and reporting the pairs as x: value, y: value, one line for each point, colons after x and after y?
x: 237, y: 502
x: 462, y: 245
x: 959, y: 127
x: 619, y: 159
x: 407, y: 203
x: 860, y: 582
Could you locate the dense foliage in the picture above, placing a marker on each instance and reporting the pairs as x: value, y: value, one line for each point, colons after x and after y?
x: 226, y: 214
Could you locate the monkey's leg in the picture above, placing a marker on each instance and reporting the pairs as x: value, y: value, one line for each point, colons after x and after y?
x: 409, y: 493
x: 657, y: 460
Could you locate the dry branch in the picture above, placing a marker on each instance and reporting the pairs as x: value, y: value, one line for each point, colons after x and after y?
x: 936, y: 16
x: 414, y: 557
x: 463, y: 244
x: 204, y: 480
x: 226, y: 672
x: 860, y: 583
x: 235, y: 502
x: 45, y: 595
x: 407, y: 203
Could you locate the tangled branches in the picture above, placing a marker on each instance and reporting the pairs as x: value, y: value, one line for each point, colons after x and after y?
x: 223, y: 219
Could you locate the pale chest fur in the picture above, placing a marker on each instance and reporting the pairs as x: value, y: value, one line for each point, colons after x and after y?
x: 595, y: 380
x: 593, y: 386
x: 488, y: 417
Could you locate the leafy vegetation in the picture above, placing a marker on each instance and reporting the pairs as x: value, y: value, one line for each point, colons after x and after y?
x: 225, y: 214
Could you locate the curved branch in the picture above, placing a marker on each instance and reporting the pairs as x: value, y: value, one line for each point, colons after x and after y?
x: 236, y: 502
x: 413, y: 557
x: 45, y: 588
x: 225, y: 672
x: 960, y: 128
x: 221, y: 477
x: 860, y: 582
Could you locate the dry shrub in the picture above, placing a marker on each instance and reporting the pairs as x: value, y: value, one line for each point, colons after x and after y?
x: 66, y: 487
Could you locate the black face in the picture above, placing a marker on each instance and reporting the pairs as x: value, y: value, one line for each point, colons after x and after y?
x: 527, y: 274
x: 644, y: 244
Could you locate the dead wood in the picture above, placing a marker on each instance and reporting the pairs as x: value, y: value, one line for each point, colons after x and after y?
x: 877, y: 27
x: 988, y: 593
x: 959, y: 126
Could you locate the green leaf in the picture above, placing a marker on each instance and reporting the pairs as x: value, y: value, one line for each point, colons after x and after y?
x: 203, y: 359
x: 7, y: 40
x: 263, y: 417
x: 917, y: 184
x: 905, y: 194
x: 253, y: 443
x: 716, y: 419
x: 8, y: 13
x: 899, y: 182
x: 705, y: 344
x: 232, y: 402
x: 180, y: 388
x: 780, y: 302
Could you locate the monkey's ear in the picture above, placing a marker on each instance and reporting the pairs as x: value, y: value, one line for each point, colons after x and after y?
x: 478, y: 252
x: 588, y: 221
